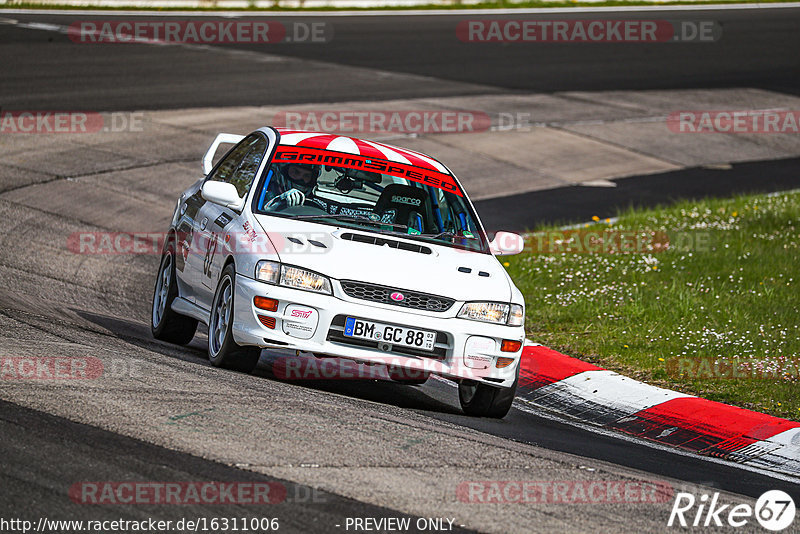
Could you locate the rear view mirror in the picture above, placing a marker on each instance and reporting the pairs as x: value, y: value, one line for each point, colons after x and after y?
x: 357, y: 174
x: 222, y: 193
x: 507, y: 244
x: 364, y: 176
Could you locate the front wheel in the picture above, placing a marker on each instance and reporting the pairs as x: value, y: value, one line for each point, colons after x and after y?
x: 165, y: 324
x: 222, y: 349
x: 480, y: 400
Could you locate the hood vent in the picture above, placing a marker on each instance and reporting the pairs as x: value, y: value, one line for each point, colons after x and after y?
x: 297, y: 241
x: 380, y: 241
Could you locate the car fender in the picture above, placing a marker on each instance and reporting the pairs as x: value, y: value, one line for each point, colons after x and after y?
x: 248, y: 243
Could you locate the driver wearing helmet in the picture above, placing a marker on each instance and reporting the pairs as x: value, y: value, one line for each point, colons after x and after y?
x: 293, y: 184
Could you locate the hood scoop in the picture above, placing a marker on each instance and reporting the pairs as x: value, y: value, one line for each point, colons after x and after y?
x: 380, y: 241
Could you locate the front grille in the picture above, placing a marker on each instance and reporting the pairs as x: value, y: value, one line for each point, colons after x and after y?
x: 336, y: 334
x: 412, y: 299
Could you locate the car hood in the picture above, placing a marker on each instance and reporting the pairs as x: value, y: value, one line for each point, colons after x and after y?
x: 298, y: 243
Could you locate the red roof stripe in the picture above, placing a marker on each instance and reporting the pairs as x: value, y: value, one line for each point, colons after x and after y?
x: 318, y: 141
x: 323, y: 140
x: 368, y: 151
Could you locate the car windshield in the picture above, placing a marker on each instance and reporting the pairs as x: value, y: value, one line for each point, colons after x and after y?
x: 370, y: 194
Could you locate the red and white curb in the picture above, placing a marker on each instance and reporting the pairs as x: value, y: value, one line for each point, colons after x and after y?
x: 593, y: 395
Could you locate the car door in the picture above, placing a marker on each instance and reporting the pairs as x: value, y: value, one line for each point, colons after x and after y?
x: 239, y: 168
x: 188, y: 280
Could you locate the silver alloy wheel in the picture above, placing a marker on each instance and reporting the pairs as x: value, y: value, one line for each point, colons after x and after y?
x: 162, y: 291
x: 221, y: 316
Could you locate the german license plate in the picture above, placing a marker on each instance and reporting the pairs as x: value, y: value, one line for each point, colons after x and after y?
x: 387, y: 333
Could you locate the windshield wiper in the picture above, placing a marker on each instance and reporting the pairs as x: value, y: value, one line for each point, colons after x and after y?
x: 447, y: 234
x: 338, y: 217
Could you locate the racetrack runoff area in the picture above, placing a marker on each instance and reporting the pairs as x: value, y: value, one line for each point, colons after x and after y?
x: 523, y: 143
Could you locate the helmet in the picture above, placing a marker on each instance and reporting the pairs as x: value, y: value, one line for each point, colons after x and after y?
x: 300, y: 176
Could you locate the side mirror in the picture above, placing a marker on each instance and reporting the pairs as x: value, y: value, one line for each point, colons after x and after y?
x: 222, y: 193
x: 507, y: 244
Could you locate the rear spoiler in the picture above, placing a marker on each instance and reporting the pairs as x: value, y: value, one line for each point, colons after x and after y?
x: 208, y: 159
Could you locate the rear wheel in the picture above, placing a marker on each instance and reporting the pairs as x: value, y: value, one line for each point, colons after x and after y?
x: 165, y: 324
x: 480, y: 400
x: 222, y: 349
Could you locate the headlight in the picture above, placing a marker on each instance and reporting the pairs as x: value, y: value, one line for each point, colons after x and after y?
x: 273, y: 272
x: 301, y: 279
x: 493, y: 312
x: 488, y: 312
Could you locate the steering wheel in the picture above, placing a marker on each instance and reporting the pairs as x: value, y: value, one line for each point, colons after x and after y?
x: 282, y: 204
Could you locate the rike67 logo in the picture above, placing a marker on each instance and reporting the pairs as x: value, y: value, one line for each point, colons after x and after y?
x: 774, y: 511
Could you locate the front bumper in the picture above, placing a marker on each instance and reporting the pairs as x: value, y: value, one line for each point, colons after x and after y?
x: 464, y: 349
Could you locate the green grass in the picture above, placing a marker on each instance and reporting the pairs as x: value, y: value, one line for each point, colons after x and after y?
x: 726, y: 289
x: 22, y: 4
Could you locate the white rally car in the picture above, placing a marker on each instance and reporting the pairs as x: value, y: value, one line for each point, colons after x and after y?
x: 330, y: 246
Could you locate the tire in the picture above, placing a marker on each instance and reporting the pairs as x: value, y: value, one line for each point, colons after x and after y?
x: 222, y: 349
x: 480, y: 400
x: 165, y: 324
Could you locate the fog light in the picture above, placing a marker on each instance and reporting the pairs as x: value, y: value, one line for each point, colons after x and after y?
x: 503, y: 362
x: 269, y: 322
x: 265, y: 304
x: 509, y: 345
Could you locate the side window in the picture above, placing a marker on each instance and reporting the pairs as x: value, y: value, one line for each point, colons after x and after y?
x: 240, y: 166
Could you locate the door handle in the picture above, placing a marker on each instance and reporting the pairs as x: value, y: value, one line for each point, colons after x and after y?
x: 204, y: 223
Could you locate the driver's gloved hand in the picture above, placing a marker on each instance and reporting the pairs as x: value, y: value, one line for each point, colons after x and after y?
x: 292, y: 197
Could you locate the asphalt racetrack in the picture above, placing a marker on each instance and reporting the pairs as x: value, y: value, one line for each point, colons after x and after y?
x: 338, y: 449
x: 42, y: 72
